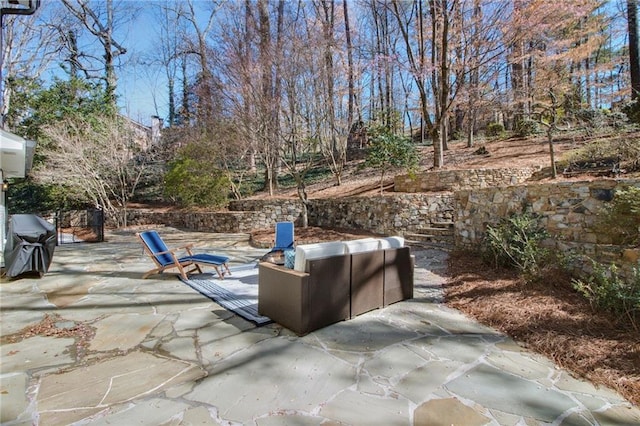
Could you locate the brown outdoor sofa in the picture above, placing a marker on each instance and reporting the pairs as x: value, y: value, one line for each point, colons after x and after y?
x: 335, y: 281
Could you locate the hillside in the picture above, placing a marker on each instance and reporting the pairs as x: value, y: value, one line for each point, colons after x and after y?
x: 505, y: 153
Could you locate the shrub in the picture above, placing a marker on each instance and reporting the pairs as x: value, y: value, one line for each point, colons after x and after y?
x: 632, y: 111
x: 606, y: 290
x: 626, y: 148
x: 617, y: 119
x: 196, y: 183
x: 592, y: 118
x: 620, y: 218
x: 494, y: 130
x: 388, y: 151
x: 527, y: 127
x: 516, y: 242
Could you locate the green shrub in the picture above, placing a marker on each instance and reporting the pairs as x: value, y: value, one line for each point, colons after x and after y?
x: 29, y: 196
x: 632, y: 111
x: 624, y: 147
x: 388, y: 152
x: 606, y: 290
x: 620, y: 218
x: 196, y: 183
x: 592, y: 118
x: 494, y: 130
x: 516, y: 242
x: 527, y: 127
x: 617, y: 119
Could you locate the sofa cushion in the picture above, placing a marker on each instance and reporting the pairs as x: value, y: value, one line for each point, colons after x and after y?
x: 391, y: 242
x: 316, y: 251
x: 362, y: 245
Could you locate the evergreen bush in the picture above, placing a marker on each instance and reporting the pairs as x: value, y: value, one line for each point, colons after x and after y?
x: 527, y: 127
x: 195, y: 183
x: 516, y: 242
x: 494, y: 130
x: 606, y: 290
x: 620, y: 218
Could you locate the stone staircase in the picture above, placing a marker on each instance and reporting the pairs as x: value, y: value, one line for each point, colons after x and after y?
x: 439, y: 235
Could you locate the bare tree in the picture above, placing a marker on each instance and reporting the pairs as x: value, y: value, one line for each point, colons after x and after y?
x: 437, y: 66
x: 171, y: 32
x: 558, y: 32
x: 198, y: 47
x: 99, y: 20
x: 331, y: 120
x: 351, y: 66
x: 29, y: 47
x: 97, y: 159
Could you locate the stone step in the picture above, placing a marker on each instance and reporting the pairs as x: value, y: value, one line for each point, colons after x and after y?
x: 435, y: 231
x: 428, y: 239
x: 444, y: 246
x: 442, y: 224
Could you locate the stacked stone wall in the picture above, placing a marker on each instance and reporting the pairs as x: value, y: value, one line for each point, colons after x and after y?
x: 568, y: 210
x: 454, y: 180
x: 388, y: 215
x: 393, y: 214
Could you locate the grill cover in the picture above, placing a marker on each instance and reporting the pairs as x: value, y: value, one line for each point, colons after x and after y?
x: 31, y: 241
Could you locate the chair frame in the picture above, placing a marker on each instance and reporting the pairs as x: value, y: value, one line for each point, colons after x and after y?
x: 181, y: 263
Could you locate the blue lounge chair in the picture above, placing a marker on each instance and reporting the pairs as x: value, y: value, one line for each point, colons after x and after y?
x: 284, y: 236
x: 164, y: 258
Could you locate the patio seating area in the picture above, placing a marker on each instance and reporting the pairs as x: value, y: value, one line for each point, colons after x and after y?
x: 93, y: 342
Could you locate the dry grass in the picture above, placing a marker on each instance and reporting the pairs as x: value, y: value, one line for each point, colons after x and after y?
x: 550, y: 318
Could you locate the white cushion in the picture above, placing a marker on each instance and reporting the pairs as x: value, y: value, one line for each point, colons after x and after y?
x: 316, y: 251
x: 362, y: 245
x: 391, y: 242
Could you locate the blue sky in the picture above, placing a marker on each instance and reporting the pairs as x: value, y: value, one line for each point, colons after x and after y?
x: 138, y: 82
x: 141, y: 86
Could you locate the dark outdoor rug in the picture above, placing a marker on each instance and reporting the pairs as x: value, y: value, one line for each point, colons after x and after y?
x: 238, y: 292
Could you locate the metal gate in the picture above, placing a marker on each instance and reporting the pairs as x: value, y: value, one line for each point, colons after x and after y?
x: 80, y: 226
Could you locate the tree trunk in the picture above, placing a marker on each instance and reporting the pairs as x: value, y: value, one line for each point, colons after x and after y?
x: 634, y: 53
x: 267, y: 98
x: 350, y: 72
x: 552, y: 153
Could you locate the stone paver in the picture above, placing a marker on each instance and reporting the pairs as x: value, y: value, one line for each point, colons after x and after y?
x: 161, y: 353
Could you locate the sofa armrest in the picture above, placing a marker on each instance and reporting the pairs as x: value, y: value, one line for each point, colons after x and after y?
x: 306, y: 301
x: 282, y: 295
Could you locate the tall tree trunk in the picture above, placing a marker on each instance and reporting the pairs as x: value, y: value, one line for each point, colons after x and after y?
x: 418, y: 65
x: 634, y: 53
x: 110, y: 72
x: 247, y: 88
x: 437, y: 30
x: 266, y: 86
x: 350, y: 71
x: 474, y: 79
x: 186, y: 108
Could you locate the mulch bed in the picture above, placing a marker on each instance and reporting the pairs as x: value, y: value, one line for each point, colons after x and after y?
x: 550, y: 318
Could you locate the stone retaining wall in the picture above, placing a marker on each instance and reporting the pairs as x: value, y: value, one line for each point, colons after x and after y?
x: 389, y: 215
x: 568, y: 210
x: 196, y: 221
x: 454, y: 180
